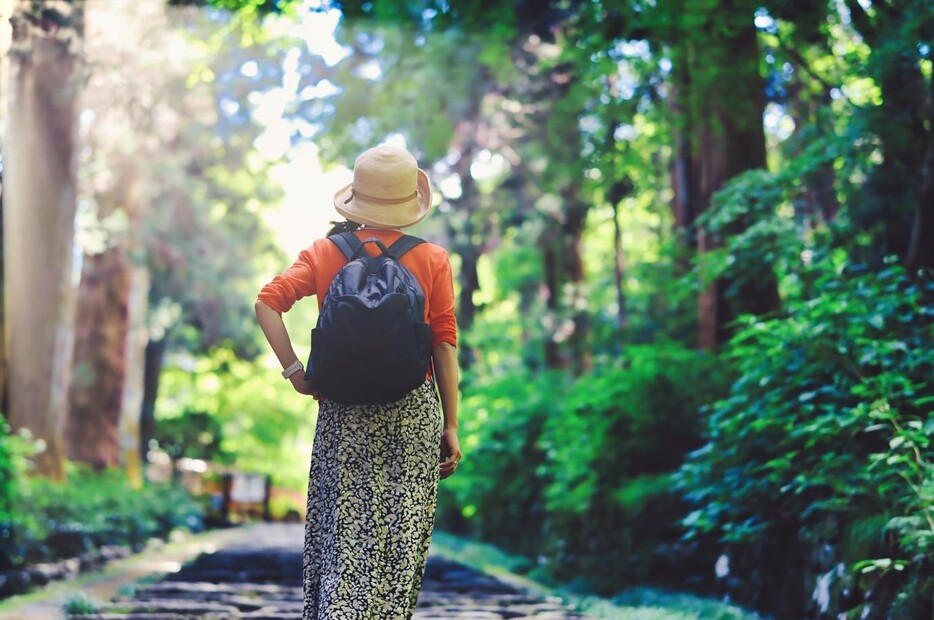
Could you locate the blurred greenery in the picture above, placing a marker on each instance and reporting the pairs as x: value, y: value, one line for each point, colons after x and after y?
x: 694, y: 279
x: 56, y: 520
x: 14, y: 465
x: 633, y: 604
x: 823, y: 440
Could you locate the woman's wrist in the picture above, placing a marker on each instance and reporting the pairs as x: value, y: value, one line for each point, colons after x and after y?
x: 293, y: 369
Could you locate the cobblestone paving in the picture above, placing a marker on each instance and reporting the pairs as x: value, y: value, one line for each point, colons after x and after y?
x: 259, y: 576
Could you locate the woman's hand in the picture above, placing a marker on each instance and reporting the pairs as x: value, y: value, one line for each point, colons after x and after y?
x: 301, y: 385
x: 270, y: 321
x: 450, y: 452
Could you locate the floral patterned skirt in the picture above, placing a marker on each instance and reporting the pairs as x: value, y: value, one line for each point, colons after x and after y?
x: 371, y: 505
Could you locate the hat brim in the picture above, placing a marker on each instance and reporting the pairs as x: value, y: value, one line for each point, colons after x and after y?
x: 359, y: 210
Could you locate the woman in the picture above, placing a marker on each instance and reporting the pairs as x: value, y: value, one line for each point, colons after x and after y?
x: 374, y: 468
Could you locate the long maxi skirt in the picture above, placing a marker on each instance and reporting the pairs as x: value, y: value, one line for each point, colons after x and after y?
x: 371, y: 505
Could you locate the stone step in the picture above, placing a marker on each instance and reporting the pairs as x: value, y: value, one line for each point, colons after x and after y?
x: 257, y: 582
x: 175, y: 589
x: 430, y: 598
x: 139, y: 616
x: 174, y: 606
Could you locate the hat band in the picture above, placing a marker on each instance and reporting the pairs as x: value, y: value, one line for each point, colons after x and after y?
x: 383, y: 201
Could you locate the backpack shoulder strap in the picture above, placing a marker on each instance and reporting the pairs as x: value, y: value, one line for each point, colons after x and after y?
x: 347, y: 242
x: 403, y: 244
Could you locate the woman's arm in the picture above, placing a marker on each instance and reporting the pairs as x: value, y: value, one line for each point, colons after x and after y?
x: 278, y: 337
x: 447, y: 375
x: 444, y: 357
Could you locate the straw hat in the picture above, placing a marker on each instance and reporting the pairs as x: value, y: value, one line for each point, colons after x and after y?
x: 389, y: 190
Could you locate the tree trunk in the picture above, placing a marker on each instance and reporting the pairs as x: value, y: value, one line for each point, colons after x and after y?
x: 96, y: 396
x: 619, y: 269
x: 152, y: 368
x: 551, y: 264
x: 40, y: 175
x: 685, y: 170
x: 723, y: 119
x: 97, y: 385
x: 921, y: 246
x: 470, y: 284
x: 896, y: 205
x: 3, y: 391
x: 819, y: 199
x: 567, y: 320
x: 6, y: 41
x: 575, y: 276
x: 134, y: 381
x: 465, y: 246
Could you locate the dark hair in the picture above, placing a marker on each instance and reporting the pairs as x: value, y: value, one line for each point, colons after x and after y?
x: 345, y: 226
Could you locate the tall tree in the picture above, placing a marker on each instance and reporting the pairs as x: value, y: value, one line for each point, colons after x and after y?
x: 128, y: 68
x: 6, y: 40
x: 897, y: 206
x: 205, y: 195
x: 40, y: 203
x: 718, y: 104
x: 100, y: 368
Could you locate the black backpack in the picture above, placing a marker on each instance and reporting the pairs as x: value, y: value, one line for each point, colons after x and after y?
x: 371, y: 344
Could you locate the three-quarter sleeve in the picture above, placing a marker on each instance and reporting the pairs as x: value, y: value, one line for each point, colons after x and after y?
x: 441, y: 318
x: 291, y: 285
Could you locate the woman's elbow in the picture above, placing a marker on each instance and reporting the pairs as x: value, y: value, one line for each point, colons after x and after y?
x: 263, y: 309
x: 443, y: 348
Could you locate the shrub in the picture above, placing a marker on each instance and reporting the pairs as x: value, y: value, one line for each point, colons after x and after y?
x: 575, y: 473
x: 80, y: 605
x: 497, y: 494
x: 819, y: 457
x: 621, y: 431
x: 54, y: 520
x: 14, y: 452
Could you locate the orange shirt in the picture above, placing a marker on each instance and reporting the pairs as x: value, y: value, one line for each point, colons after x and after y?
x: 316, y: 266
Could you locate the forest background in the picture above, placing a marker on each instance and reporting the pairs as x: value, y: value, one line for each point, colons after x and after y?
x: 692, y: 240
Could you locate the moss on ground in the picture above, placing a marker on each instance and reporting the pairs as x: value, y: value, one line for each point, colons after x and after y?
x: 635, y: 604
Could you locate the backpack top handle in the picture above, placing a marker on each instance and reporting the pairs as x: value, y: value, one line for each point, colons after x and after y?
x: 352, y: 247
x: 382, y: 246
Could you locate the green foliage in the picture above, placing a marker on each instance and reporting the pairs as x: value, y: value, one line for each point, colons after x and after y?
x: 825, y: 430
x: 609, y: 498
x: 752, y: 218
x: 14, y: 451
x: 80, y: 604
x: 92, y: 509
x: 497, y: 491
x: 653, y: 604
x: 402, y: 100
x: 194, y: 434
x: 252, y: 7
x: 582, y: 458
x: 238, y: 412
x: 633, y: 604
x: 560, y: 121
x: 207, y: 188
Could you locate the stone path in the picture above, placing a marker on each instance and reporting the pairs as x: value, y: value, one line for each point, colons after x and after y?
x: 259, y: 576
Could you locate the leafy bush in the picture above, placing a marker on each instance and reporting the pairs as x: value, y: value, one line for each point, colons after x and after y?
x: 80, y: 605
x: 14, y: 451
x: 498, y: 490
x: 575, y: 474
x: 653, y: 604
x: 819, y: 457
x: 54, y: 520
x: 8, y: 473
x: 622, y: 430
